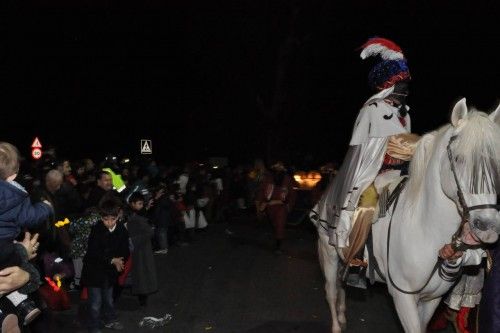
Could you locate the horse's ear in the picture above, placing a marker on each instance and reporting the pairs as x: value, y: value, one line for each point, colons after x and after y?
x: 495, y: 115
x: 459, y: 112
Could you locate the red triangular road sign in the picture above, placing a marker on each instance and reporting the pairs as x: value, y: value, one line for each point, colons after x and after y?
x: 36, y: 143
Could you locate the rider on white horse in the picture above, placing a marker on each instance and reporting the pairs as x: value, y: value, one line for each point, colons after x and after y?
x: 449, y: 198
x: 379, y: 148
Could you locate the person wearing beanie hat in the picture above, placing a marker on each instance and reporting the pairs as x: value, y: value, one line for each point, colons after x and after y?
x: 380, y: 148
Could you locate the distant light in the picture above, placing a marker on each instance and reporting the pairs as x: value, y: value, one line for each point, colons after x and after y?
x: 126, y: 160
x: 215, y: 167
x: 307, y: 180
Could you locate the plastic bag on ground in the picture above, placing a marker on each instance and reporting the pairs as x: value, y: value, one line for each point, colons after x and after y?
x: 153, y: 322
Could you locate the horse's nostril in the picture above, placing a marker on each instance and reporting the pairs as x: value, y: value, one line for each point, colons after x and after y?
x: 480, y: 224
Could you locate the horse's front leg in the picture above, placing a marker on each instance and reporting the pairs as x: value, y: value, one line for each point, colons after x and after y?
x: 329, y: 262
x: 341, y: 305
x: 406, y: 307
x: 426, y: 310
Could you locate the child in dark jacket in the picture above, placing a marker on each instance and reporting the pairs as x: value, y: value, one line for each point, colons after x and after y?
x: 108, y: 249
x: 17, y: 212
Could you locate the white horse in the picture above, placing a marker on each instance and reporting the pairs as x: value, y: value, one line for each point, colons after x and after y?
x: 427, y: 214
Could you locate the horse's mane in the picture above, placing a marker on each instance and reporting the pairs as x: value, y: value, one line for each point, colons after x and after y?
x: 418, y: 165
x: 477, y: 144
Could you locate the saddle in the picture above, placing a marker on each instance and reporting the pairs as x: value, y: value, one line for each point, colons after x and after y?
x: 372, y: 207
x: 389, y: 195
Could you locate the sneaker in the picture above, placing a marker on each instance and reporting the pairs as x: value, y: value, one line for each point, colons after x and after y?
x: 115, y: 325
x: 73, y: 287
x: 164, y: 251
x: 28, y: 310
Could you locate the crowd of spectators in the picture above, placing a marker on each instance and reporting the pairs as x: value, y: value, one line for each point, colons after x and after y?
x: 98, y: 225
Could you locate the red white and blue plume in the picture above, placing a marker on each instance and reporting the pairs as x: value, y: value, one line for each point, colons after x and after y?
x: 388, y: 50
x: 391, y: 67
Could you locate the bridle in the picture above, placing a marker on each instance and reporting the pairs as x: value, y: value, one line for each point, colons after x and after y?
x: 457, y: 243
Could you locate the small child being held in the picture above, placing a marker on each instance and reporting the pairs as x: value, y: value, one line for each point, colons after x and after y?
x: 17, y: 212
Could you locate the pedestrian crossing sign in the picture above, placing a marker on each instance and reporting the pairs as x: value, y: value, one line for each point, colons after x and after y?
x: 146, y: 147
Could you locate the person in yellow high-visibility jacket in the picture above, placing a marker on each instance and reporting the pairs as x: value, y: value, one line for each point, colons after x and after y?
x: 118, y: 183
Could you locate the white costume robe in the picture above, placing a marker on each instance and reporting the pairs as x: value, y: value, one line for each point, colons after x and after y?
x: 377, y: 121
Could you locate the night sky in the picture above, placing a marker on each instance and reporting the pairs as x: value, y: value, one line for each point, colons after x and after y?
x: 94, y: 77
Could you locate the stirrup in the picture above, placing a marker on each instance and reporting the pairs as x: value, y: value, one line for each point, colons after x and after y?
x: 357, y: 280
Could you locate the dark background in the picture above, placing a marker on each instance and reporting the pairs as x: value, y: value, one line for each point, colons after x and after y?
x: 230, y: 78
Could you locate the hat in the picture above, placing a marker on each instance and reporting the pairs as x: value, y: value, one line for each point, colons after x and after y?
x: 392, y: 66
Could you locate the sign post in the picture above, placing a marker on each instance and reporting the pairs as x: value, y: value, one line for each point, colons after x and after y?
x: 36, y: 149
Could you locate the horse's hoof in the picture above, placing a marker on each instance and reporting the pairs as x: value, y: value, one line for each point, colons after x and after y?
x: 337, y: 329
x: 342, y: 321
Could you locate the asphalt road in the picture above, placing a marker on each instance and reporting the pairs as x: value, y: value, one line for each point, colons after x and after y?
x: 235, y: 283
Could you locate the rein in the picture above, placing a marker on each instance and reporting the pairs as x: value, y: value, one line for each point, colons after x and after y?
x: 434, y: 269
x: 315, y: 216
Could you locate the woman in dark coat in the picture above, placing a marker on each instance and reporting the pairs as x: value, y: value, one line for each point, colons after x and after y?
x: 144, y: 279
x: 489, y: 310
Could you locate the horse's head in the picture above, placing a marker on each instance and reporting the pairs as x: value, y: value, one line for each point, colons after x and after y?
x: 470, y: 172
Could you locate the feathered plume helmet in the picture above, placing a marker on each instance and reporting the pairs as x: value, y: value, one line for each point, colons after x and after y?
x: 392, y: 66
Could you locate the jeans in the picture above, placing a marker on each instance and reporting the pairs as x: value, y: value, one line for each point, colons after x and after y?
x: 161, y: 238
x: 101, y: 297
x: 78, y: 265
